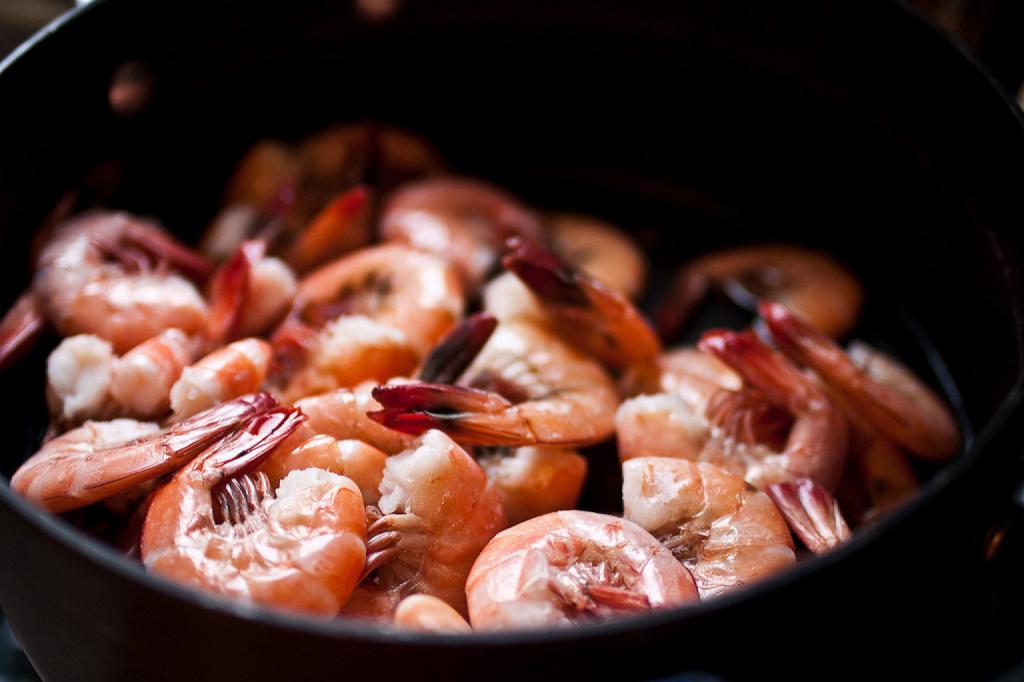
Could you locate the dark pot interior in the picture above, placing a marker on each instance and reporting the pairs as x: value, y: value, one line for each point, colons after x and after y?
x: 851, y: 128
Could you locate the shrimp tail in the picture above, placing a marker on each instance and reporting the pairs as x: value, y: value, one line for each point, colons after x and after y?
x: 880, y: 405
x: 777, y: 379
x: 20, y: 328
x: 249, y: 446
x: 457, y: 350
x: 166, y: 249
x: 229, y: 290
x: 341, y: 226
x: 548, y: 276
x: 812, y: 513
x: 468, y: 415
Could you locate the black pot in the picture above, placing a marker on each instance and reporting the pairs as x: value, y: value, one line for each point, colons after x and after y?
x: 849, y: 126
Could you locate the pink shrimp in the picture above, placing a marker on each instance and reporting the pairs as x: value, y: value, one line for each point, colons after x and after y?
x: 601, y: 250
x: 221, y: 528
x: 872, y: 385
x: 725, y: 532
x: 808, y: 281
x: 568, y: 566
x: 354, y: 459
x: 371, y: 315
x: 538, y: 392
x: 429, y: 614
x: 582, y: 309
x: 99, y: 460
x: 107, y: 274
x: 465, y: 221
x: 228, y: 372
x: 250, y: 293
x: 437, y: 511
x: 533, y: 481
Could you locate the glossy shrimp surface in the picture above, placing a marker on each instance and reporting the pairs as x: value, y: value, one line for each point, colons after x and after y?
x: 526, y: 387
x: 429, y: 614
x: 371, y: 315
x: 568, y: 566
x: 465, y: 221
x: 533, y: 481
x: 437, y: 510
x: 724, y: 531
x: 230, y: 371
x: 300, y: 547
x: 116, y: 276
x: 99, y: 460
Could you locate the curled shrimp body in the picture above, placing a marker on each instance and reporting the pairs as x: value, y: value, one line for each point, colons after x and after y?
x: 342, y: 414
x: 371, y: 315
x: 725, y: 532
x: 533, y: 481
x: 228, y: 372
x: 526, y: 387
x: 877, y: 388
x: 85, y: 380
x: 810, y: 282
x: 601, y: 250
x: 429, y: 614
x: 220, y: 528
x: 437, y: 511
x: 354, y: 459
x: 99, y: 460
x: 105, y: 274
x: 465, y: 221
x: 568, y: 566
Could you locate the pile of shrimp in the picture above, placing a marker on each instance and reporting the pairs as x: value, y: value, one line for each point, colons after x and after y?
x: 372, y: 392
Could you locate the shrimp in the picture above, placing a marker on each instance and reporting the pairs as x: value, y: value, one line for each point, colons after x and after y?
x: 105, y: 274
x: 815, y: 446
x: 675, y: 371
x: 601, y: 250
x: 21, y: 327
x: 877, y: 388
x: 534, y: 481
x: 438, y: 510
x: 465, y: 221
x: 250, y: 293
x: 525, y: 387
x: 394, y: 305
x: 141, y: 379
x: 228, y: 372
x: 342, y: 226
x: 882, y: 469
x: 102, y: 459
x: 221, y: 528
x: 812, y: 514
x: 354, y: 459
x: 429, y: 614
x: 726, y: 533
x: 582, y: 309
x: 85, y: 380
x: 568, y: 566
x: 810, y: 282
x: 342, y: 414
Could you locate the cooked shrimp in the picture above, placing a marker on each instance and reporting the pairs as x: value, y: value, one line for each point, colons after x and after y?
x: 141, y: 379
x: 106, y: 274
x: 725, y: 532
x: 394, y: 304
x: 881, y: 470
x: 301, y: 547
x: 354, y: 459
x: 343, y: 225
x: 582, y: 309
x: 525, y: 387
x: 102, y: 459
x: 812, y: 513
x: 675, y: 371
x: 810, y: 282
x: 85, y: 380
x: 78, y: 374
x: 534, y: 481
x: 21, y: 326
x: 438, y: 511
x: 429, y: 614
x: 815, y: 446
x: 568, y: 566
x: 250, y: 293
x: 464, y: 221
x: 884, y: 393
x: 601, y: 250
x: 228, y: 372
